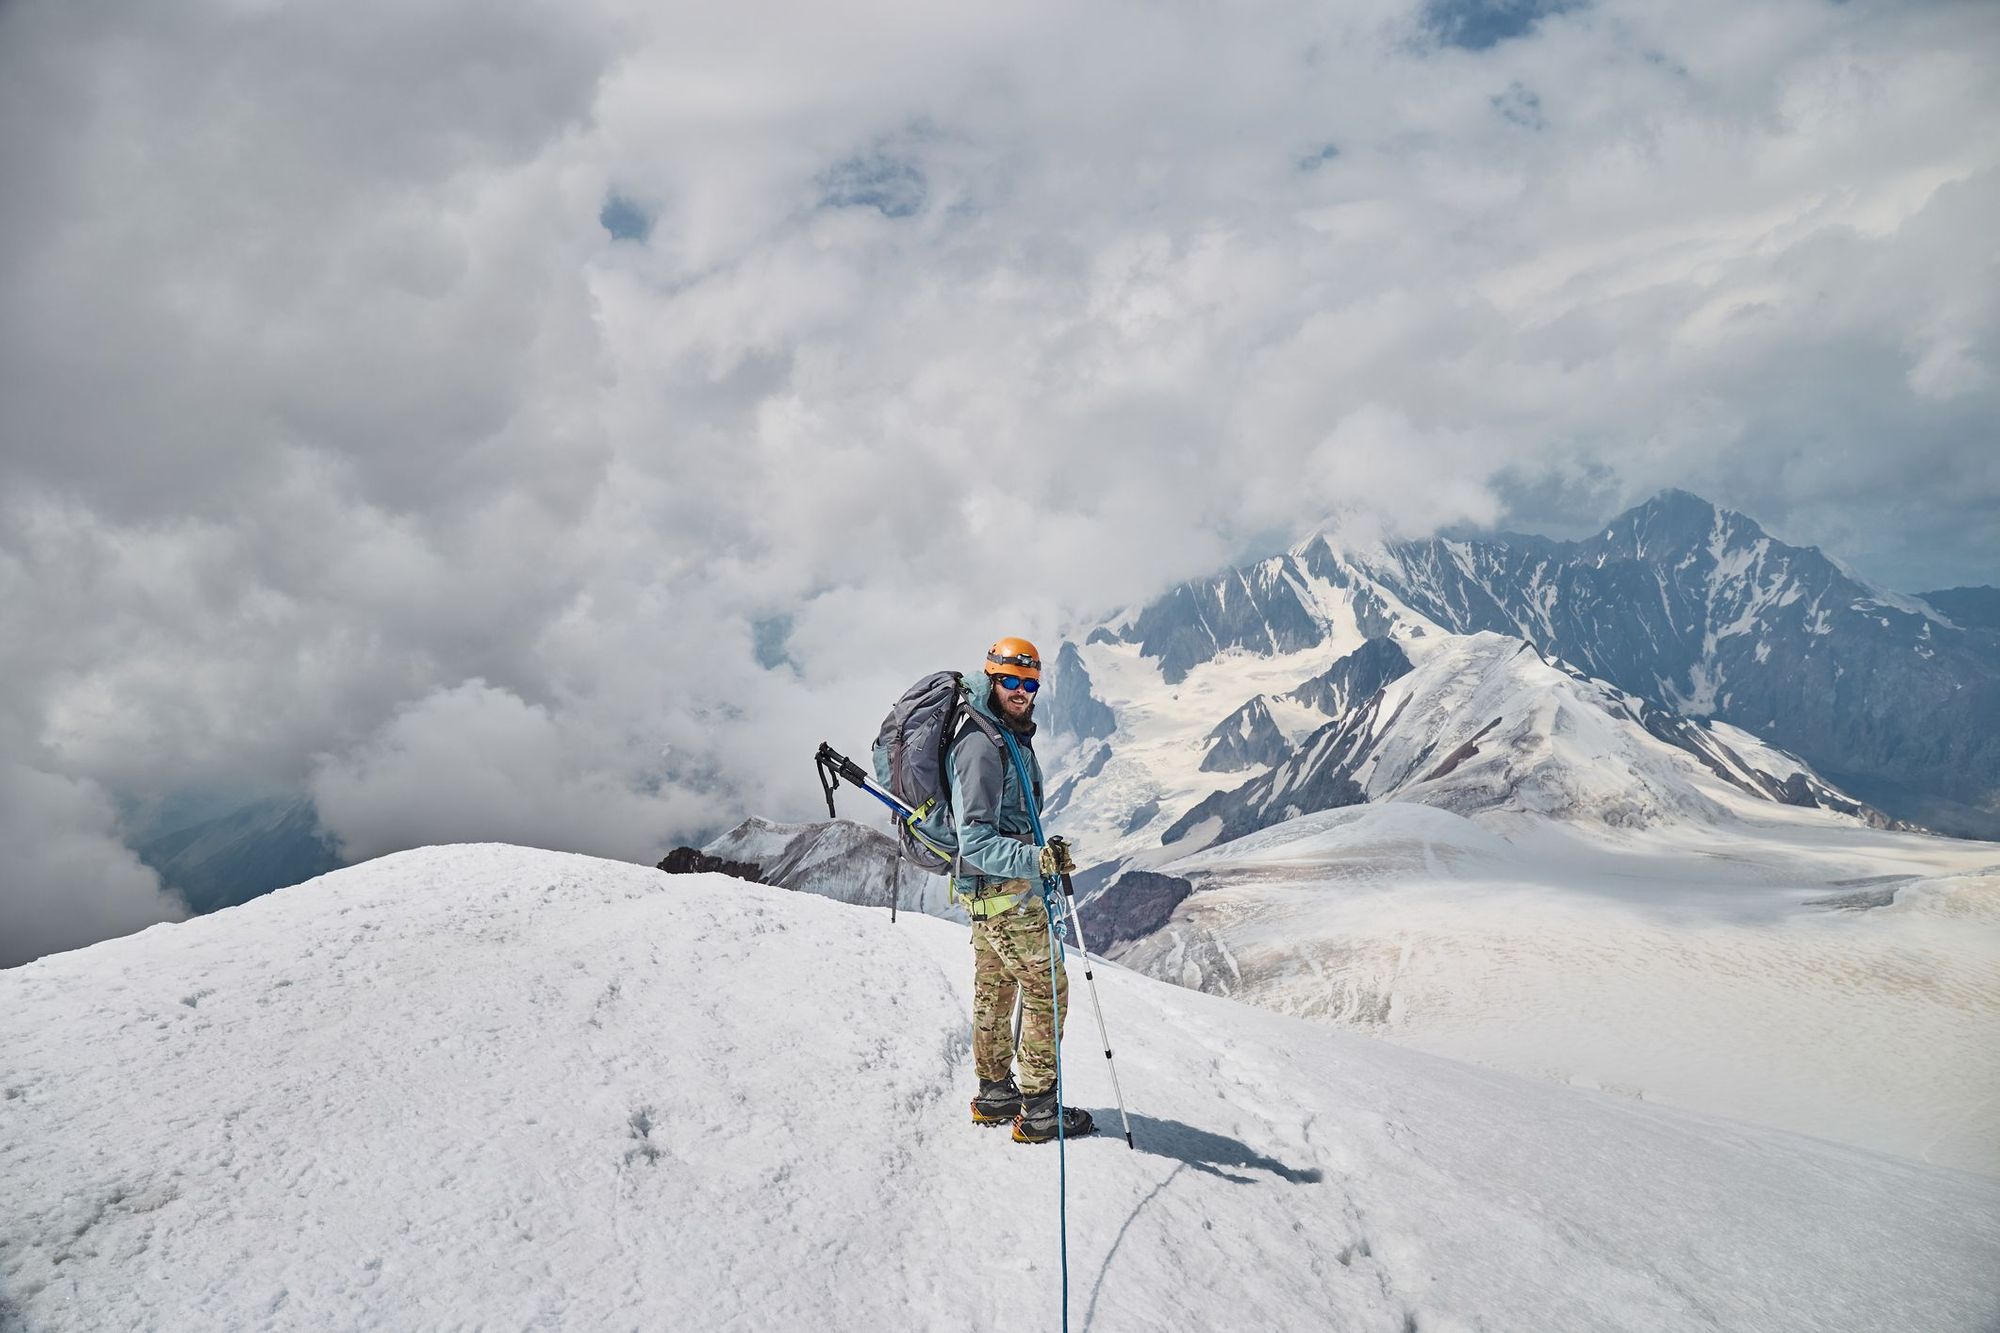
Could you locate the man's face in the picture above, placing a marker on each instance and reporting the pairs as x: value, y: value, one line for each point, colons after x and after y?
x: 1016, y: 703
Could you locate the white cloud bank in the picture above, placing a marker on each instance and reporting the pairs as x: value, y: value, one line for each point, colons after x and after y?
x: 65, y: 881
x: 341, y: 443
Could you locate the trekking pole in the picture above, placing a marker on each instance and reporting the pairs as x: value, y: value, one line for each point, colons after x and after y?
x: 1062, y: 1136
x: 1069, y: 908
x: 833, y: 767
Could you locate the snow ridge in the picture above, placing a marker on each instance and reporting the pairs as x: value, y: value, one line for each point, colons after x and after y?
x: 489, y: 1085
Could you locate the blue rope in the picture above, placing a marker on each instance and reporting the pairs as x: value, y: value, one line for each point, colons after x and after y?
x: 1055, y: 1003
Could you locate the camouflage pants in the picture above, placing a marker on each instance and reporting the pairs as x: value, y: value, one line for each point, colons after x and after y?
x: 1010, y: 952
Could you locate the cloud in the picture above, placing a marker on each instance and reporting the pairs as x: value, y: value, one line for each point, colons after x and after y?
x: 65, y: 878
x: 551, y: 421
x: 478, y: 764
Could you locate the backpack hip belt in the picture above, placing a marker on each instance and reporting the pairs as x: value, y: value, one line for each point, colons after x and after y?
x: 990, y: 902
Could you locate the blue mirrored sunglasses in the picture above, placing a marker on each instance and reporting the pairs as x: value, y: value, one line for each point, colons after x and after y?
x: 1028, y: 683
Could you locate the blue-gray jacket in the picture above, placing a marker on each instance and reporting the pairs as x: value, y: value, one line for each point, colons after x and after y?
x: 996, y: 840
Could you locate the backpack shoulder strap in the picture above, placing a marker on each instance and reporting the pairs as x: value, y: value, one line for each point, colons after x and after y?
x: 974, y: 720
x: 970, y: 719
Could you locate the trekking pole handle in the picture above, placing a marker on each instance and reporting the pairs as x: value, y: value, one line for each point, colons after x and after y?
x: 829, y: 779
x: 832, y: 766
x: 831, y: 758
x: 1069, y: 890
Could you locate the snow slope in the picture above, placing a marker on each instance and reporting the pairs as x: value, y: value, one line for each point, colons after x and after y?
x: 483, y: 1085
x: 1800, y: 970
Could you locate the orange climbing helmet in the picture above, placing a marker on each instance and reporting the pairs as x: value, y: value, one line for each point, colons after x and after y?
x: 1013, y: 656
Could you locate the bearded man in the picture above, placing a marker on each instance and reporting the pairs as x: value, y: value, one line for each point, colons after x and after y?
x: 997, y: 874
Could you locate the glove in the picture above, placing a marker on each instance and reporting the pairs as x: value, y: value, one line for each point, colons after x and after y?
x: 1050, y: 865
x: 1056, y: 859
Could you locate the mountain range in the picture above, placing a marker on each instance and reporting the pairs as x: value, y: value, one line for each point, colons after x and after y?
x: 243, y: 853
x: 1692, y: 610
x: 1716, y: 638
x: 1487, y: 723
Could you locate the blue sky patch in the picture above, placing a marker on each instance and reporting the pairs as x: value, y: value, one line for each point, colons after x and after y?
x: 769, y: 640
x: 625, y: 220
x: 1476, y: 25
x: 894, y: 186
x: 1520, y: 106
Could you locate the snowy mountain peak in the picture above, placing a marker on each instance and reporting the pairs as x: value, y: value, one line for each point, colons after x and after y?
x: 1688, y: 605
x: 1349, y: 682
x: 1485, y: 724
x: 1245, y: 739
x: 1676, y: 520
x: 1693, y: 541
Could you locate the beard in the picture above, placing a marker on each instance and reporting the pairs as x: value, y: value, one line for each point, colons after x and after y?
x: 998, y: 704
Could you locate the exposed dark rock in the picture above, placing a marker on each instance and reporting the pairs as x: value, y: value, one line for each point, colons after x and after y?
x: 693, y: 861
x: 1141, y: 815
x: 1700, y: 739
x: 1067, y: 707
x: 1924, y: 809
x: 1968, y: 608
x: 1059, y: 799
x: 1462, y: 753
x: 1245, y: 739
x: 1861, y: 900
x: 1318, y: 776
x: 1354, y: 678
x: 1134, y: 905
x: 1256, y: 608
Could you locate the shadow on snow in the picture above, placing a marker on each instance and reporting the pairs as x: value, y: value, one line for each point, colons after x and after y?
x: 1202, y: 1149
x: 1197, y: 1149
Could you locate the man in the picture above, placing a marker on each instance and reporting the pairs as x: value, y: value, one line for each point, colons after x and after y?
x: 998, y: 870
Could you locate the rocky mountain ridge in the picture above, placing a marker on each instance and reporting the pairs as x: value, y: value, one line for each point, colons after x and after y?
x: 1692, y: 608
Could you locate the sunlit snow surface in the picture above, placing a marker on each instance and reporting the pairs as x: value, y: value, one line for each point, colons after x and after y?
x: 485, y: 1086
x: 1800, y: 971
x: 1571, y: 897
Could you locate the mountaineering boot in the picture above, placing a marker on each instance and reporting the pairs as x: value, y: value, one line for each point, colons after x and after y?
x: 1037, y: 1121
x: 998, y: 1101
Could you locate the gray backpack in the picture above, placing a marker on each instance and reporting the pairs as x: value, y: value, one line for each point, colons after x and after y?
x: 913, y: 763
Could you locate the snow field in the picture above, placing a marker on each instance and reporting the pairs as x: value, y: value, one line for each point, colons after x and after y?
x: 1746, y: 971
x: 486, y: 1085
